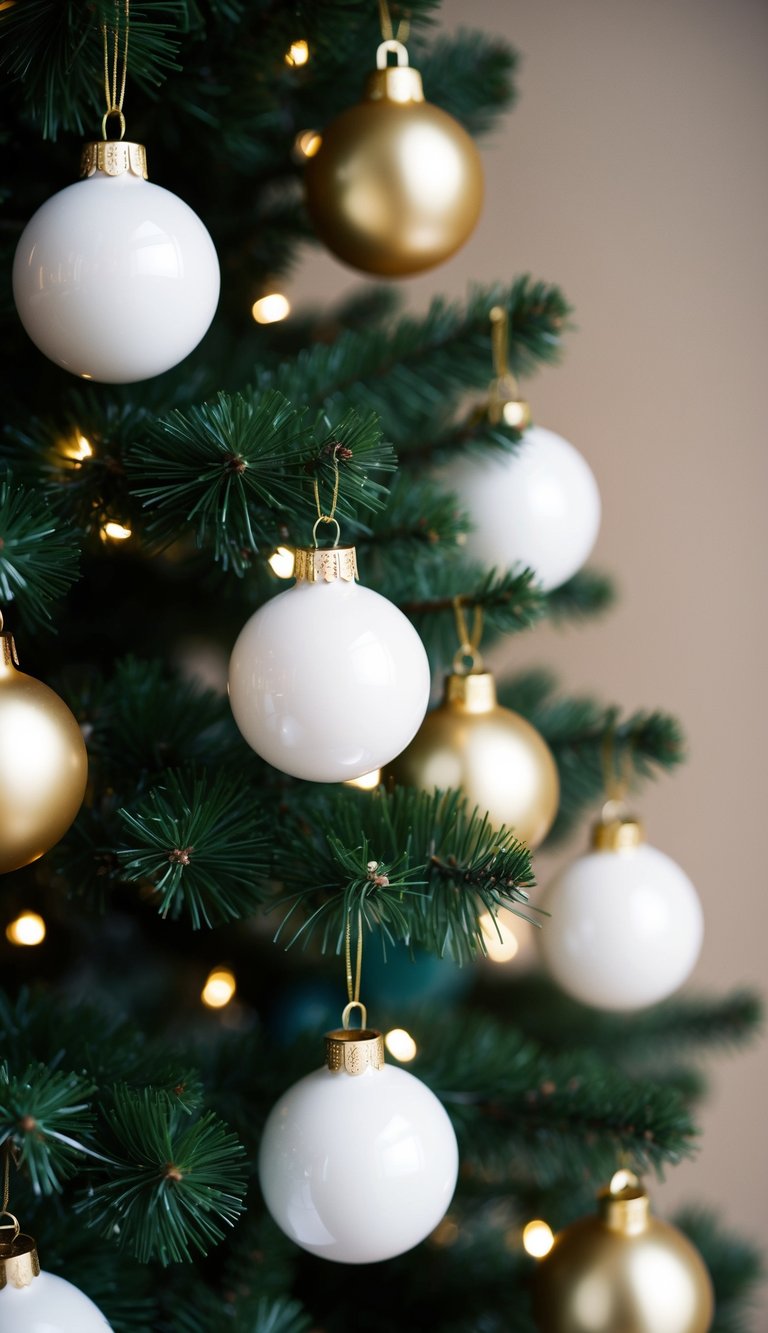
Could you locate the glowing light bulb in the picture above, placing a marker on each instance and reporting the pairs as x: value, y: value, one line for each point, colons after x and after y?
x: 78, y: 448
x: 516, y: 413
x: 501, y: 942
x: 115, y: 532
x: 297, y: 53
x: 307, y: 143
x: 537, y: 1239
x: 27, y: 929
x: 366, y: 781
x: 282, y: 562
x: 219, y: 988
x: 622, y: 1180
x: 271, y: 308
x: 401, y: 1044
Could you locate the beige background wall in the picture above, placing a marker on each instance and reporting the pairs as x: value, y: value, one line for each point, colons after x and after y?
x: 633, y: 173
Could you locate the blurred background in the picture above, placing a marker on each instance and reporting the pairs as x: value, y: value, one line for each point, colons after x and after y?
x: 633, y: 173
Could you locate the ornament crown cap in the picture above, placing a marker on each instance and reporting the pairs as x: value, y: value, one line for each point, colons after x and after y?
x: 19, y: 1263
x: 354, y: 1050
x: 315, y: 564
x: 9, y: 657
x: 621, y: 834
x: 113, y: 157
x: 474, y: 692
x: 626, y: 1210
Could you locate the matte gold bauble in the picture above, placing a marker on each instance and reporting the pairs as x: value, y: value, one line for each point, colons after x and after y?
x: 396, y: 185
x: 43, y: 764
x: 497, y: 758
x: 622, y: 1271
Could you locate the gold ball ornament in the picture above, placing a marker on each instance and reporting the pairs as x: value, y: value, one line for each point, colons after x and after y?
x: 622, y: 1271
x: 396, y: 185
x: 497, y: 758
x: 43, y: 764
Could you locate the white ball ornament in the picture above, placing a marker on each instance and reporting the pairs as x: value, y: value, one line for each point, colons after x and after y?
x: 539, y: 506
x: 328, y: 680
x: 115, y: 279
x: 35, y: 1302
x: 626, y: 923
x: 358, y: 1161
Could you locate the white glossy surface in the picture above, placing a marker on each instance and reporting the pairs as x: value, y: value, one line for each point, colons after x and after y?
x: 49, y: 1304
x: 538, y: 507
x: 358, y: 1168
x: 328, y: 681
x: 626, y: 928
x: 115, y: 279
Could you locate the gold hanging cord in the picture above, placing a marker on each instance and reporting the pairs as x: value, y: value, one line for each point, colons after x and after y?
x: 113, y: 101
x: 616, y: 776
x: 388, y: 33
x: 14, y: 1224
x: 469, y: 644
x: 329, y: 517
x: 353, y: 980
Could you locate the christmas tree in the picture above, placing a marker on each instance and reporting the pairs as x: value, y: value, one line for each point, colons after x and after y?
x: 214, y: 895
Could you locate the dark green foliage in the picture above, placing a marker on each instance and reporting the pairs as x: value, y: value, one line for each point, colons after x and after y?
x: 195, y: 842
x: 175, y: 1181
x: 735, y: 1266
x: 39, y: 557
x: 44, y: 1120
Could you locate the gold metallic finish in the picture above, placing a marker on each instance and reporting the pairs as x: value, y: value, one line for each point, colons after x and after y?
x: 43, y: 764
x: 397, y: 184
x: 622, y: 1271
x: 114, y: 157
x: 354, y: 1050
x: 497, y: 758
x: 617, y: 835
x: 19, y: 1263
x: 313, y: 565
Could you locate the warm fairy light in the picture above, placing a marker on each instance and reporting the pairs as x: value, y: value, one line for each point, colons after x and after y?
x: 401, y: 1044
x: 446, y: 1233
x: 78, y: 448
x: 515, y: 413
x: 115, y: 532
x: 297, y: 53
x: 29, y: 929
x: 269, y: 309
x: 501, y: 942
x: 219, y: 988
x: 282, y: 562
x: 538, y: 1239
x: 307, y: 144
x: 366, y: 781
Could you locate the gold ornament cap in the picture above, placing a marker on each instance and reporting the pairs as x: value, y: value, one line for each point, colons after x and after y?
x: 9, y: 657
x: 332, y: 564
x: 626, y: 1209
x: 622, y: 834
x: 113, y: 157
x: 19, y: 1263
x: 474, y: 692
x: 354, y: 1050
x: 394, y: 83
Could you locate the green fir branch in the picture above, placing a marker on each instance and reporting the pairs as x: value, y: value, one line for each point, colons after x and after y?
x: 589, y: 593
x: 196, y: 842
x: 39, y: 556
x: 173, y: 1184
x: 45, y: 1117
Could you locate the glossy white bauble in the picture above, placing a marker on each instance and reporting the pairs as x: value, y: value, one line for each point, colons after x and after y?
x: 358, y: 1168
x: 328, y: 681
x: 626, y: 928
x: 538, y: 507
x: 49, y: 1304
x: 115, y: 279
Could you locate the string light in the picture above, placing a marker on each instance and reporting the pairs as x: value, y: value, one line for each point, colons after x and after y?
x: 219, y: 988
x: 538, y: 1239
x: 366, y: 781
x: 401, y: 1044
x: 78, y: 448
x: 281, y: 562
x: 446, y: 1233
x: 307, y: 143
x: 515, y: 413
x: 115, y: 532
x: 297, y: 53
x: 271, y: 308
x: 27, y: 929
x: 501, y: 942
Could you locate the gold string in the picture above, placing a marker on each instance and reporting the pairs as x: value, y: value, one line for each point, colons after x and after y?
x: 115, y: 103
x: 500, y: 352
x: 353, y: 984
x: 6, y: 1177
x: 469, y: 644
x: 616, y: 784
x: 388, y: 33
x: 329, y: 517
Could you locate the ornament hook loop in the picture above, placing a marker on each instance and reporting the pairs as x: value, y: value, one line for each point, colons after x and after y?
x: 393, y: 47
x: 14, y: 1225
x: 325, y: 518
x: 113, y: 111
x: 347, y: 1011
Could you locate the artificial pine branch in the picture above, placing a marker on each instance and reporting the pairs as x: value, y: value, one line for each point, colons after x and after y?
x: 39, y: 557
x: 45, y: 1120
